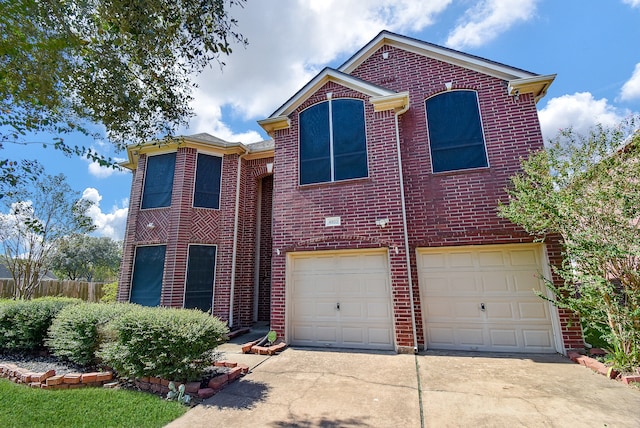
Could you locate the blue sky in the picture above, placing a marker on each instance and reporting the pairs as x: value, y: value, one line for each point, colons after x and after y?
x: 592, y: 45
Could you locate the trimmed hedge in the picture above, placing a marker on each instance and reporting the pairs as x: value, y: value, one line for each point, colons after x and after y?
x: 75, y: 332
x: 170, y: 343
x: 24, y: 323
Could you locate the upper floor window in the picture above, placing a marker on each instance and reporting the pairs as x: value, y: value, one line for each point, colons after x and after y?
x: 455, y: 131
x: 333, y: 144
x: 158, y: 181
x: 207, y: 188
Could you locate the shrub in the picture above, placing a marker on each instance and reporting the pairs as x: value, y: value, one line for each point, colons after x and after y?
x: 75, y: 332
x: 24, y: 323
x: 109, y: 292
x: 170, y: 343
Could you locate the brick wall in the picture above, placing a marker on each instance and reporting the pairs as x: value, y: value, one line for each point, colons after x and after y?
x: 444, y: 209
x: 459, y: 208
x: 299, y: 211
x: 181, y: 224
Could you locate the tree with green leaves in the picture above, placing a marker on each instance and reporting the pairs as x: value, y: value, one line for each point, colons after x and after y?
x: 124, y: 65
x: 586, y: 188
x: 39, y: 213
x: 86, y: 257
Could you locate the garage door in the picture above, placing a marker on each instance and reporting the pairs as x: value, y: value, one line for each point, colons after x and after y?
x: 340, y: 300
x: 482, y: 298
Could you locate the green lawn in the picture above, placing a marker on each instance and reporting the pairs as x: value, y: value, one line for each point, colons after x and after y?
x: 21, y: 406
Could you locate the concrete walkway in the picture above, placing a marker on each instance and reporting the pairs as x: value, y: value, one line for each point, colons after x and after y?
x: 317, y: 388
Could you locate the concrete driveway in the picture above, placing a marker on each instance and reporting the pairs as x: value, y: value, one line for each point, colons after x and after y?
x: 317, y: 388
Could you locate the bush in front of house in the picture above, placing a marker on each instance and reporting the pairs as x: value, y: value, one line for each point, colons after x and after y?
x: 175, y: 344
x: 24, y: 323
x: 75, y: 334
x: 109, y: 292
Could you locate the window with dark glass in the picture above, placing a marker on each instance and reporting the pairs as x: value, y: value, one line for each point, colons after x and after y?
x: 158, y: 181
x: 148, y: 268
x: 207, y: 189
x: 200, y: 277
x: 333, y: 144
x: 455, y: 131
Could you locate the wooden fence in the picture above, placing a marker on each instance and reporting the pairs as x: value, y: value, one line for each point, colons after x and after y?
x: 89, y: 291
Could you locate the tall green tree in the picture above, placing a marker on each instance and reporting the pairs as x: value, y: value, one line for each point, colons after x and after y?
x: 39, y: 213
x: 127, y: 65
x: 586, y: 188
x: 86, y: 257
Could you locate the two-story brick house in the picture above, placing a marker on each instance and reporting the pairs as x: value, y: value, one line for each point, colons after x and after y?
x: 384, y: 233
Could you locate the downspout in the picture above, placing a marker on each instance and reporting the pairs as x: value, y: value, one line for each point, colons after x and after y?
x: 236, y: 220
x: 406, y: 232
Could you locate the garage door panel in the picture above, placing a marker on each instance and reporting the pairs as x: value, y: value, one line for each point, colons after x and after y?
x: 441, y: 336
x: 433, y: 261
x: 352, y: 297
x: 439, y: 309
x: 461, y: 260
x: 494, y: 282
x: 455, y: 284
x: 464, y: 283
x: 353, y: 336
x: 353, y: 310
x: 501, y: 338
x: 378, y: 311
x: 380, y: 337
x: 499, y: 311
x: 524, y: 258
x: 527, y: 281
x: 533, y: 311
x: 470, y: 336
x: 537, y: 339
x: 491, y: 258
x: 326, y: 333
x: 377, y: 286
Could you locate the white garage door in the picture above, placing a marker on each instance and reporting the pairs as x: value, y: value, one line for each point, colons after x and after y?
x: 340, y: 299
x: 482, y: 298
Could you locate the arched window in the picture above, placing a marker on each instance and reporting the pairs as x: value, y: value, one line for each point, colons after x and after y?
x: 333, y: 144
x: 456, y: 139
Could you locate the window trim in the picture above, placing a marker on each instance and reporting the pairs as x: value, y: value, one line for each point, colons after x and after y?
x: 484, y: 139
x: 133, y: 268
x: 144, y: 180
x: 195, y: 179
x: 186, y: 273
x: 331, y: 138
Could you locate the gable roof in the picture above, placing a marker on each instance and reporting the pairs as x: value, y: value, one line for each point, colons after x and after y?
x: 382, y: 98
x: 203, y: 142
x: 520, y: 81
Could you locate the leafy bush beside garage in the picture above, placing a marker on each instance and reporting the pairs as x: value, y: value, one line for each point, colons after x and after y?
x: 163, y: 342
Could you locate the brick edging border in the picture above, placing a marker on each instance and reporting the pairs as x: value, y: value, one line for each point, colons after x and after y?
x: 161, y: 386
x: 49, y: 379
x: 598, y: 367
x: 254, y: 348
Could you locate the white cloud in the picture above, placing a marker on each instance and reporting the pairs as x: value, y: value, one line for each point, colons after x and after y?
x: 110, y: 224
x: 99, y: 171
x: 287, y: 48
x: 580, y: 111
x: 632, y: 3
x: 631, y: 89
x: 488, y: 19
